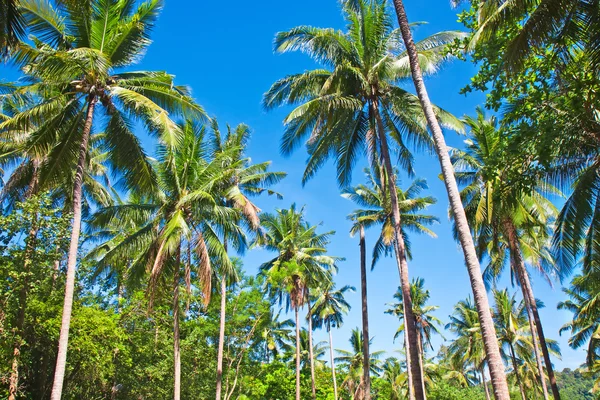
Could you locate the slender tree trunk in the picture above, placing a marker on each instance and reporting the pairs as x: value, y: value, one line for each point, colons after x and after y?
x: 335, y: 391
x: 487, y: 391
x: 488, y: 332
x: 310, y: 353
x: 535, y: 323
x: 221, y: 337
x: 521, y: 271
x: 365, y: 315
x: 297, y: 353
x: 63, y: 340
x: 409, y: 320
x: 411, y: 393
x: 421, y: 361
x: 13, y: 386
x: 517, y: 375
x: 176, y: 345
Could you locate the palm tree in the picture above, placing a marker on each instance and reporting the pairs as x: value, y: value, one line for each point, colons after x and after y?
x: 509, y: 221
x: 80, y: 45
x: 393, y: 373
x: 468, y: 346
x: 247, y: 179
x: 355, y: 103
x: 353, y: 361
x: 276, y: 334
x: 329, y: 308
x: 492, y: 350
x: 12, y: 25
x: 185, y: 214
x: 584, y: 296
x: 514, y: 334
x: 300, y: 263
x: 318, y: 350
x: 377, y: 211
x: 424, y: 320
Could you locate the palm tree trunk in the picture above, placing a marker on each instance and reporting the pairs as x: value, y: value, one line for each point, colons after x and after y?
x: 517, y: 375
x: 487, y: 391
x: 488, y: 332
x: 365, y: 315
x: 310, y: 353
x: 521, y: 272
x: 335, y: 391
x: 176, y: 345
x: 63, y: 340
x: 13, y: 386
x: 411, y: 329
x: 221, y: 337
x: 297, y: 353
x: 421, y: 361
x: 411, y: 393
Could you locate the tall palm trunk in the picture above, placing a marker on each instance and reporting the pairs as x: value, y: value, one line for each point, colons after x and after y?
x: 221, y: 337
x: 13, y: 385
x: 521, y: 272
x: 297, y: 352
x: 176, y: 345
x: 487, y: 391
x: 365, y: 316
x: 535, y: 324
x: 310, y: 353
x: 409, y: 319
x: 63, y: 339
x: 411, y: 393
x: 517, y: 375
x: 488, y: 332
x: 335, y: 390
x: 421, y: 360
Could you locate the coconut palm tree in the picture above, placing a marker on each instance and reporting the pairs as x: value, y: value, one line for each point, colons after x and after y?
x: 492, y: 350
x: 424, y: 320
x: 352, y: 360
x: 510, y: 221
x: 246, y: 180
x: 301, y: 262
x: 393, y: 373
x: 464, y: 323
x: 329, y: 308
x: 354, y: 105
x: 377, y: 211
x: 185, y: 214
x: 82, y: 50
x: 584, y: 295
x: 277, y: 335
x: 12, y: 25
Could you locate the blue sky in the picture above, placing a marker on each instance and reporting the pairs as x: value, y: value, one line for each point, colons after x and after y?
x: 223, y: 50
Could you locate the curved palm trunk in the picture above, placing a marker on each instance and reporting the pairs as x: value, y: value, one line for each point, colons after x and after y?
x: 176, y: 345
x: 297, y: 353
x: 365, y: 316
x: 63, y: 340
x: 221, y: 337
x: 310, y: 353
x: 487, y: 391
x: 488, y: 331
x: 411, y: 328
x: 335, y: 391
x: 517, y: 375
x: 537, y: 332
x: 521, y: 272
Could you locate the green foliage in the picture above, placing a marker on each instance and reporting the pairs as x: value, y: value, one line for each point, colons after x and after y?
x: 575, y: 385
x: 445, y: 391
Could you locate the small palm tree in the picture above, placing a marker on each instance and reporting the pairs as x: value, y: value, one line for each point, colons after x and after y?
x: 329, y: 308
x: 301, y: 262
x: 397, y: 378
x: 352, y: 360
x: 277, y: 334
x: 425, y: 321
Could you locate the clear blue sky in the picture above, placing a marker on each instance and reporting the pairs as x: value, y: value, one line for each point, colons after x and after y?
x: 223, y: 50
